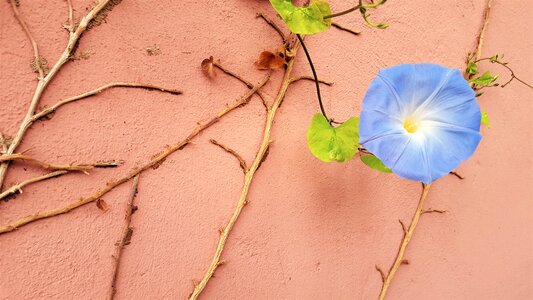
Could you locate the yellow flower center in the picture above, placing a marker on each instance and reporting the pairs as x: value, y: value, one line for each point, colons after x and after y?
x: 411, y: 125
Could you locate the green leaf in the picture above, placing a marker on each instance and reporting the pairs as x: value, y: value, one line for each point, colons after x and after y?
x: 485, y: 79
x: 485, y: 119
x: 375, y: 163
x: 330, y: 143
x: 304, y: 20
x: 471, y: 68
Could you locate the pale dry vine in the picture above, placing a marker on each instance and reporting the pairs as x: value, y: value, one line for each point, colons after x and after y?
x: 408, y: 232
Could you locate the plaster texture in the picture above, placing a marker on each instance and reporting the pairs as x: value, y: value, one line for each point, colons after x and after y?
x: 311, y: 230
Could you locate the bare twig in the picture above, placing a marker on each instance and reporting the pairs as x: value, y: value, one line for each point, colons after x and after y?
x: 428, y: 211
x: 154, y: 162
x: 310, y: 78
x: 403, y: 246
x: 273, y: 25
x: 125, y: 236
x: 98, y: 90
x: 242, y: 162
x: 70, y: 17
x: 70, y: 167
x: 241, y: 79
x: 44, y: 80
x: 248, y: 177
x: 17, y: 188
x: 36, y: 56
x: 340, y: 27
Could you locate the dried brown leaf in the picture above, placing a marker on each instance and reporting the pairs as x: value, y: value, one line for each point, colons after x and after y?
x: 208, y: 67
x: 270, y: 61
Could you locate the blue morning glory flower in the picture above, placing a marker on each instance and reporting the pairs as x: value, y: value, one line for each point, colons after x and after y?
x: 421, y: 120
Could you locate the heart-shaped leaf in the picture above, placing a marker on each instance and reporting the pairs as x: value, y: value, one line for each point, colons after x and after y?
x: 330, y: 143
x: 304, y: 20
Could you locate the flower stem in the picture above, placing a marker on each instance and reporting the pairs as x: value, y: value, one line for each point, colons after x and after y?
x: 317, y: 82
x: 407, y: 237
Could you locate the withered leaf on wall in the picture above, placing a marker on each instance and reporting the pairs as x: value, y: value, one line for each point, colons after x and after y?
x: 208, y: 67
x: 270, y: 61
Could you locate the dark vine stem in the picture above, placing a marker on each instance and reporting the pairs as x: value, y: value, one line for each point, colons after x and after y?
x: 315, y: 76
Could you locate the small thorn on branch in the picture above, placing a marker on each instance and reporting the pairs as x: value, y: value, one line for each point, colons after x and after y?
x: 242, y: 162
x: 428, y: 211
x: 381, y: 273
x: 405, y: 262
x: 457, y: 175
x: 404, y: 228
x: 221, y: 263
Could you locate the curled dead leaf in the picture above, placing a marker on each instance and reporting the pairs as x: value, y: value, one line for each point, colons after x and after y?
x: 270, y: 61
x: 102, y: 205
x: 208, y: 67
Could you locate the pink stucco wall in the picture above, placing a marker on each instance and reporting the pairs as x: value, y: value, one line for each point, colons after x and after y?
x: 311, y: 230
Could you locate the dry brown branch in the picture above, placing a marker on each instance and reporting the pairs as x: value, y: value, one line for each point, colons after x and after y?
x: 481, y: 35
x: 340, y: 27
x: 44, y: 80
x: 36, y: 56
x: 403, y: 246
x: 124, y: 238
x: 274, y: 26
x: 310, y: 78
x: 154, y: 162
x: 242, y: 162
x: 70, y: 167
x: 17, y: 188
x: 248, y: 178
x: 51, y: 109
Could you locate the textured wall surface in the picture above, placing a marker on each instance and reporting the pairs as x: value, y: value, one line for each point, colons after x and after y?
x: 311, y: 230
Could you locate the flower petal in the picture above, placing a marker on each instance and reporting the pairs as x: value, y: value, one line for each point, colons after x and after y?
x: 381, y: 96
x: 413, y: 163
x: 388, y: 147
x: 448, y: 147
x: 377, y: 123
x: 414, y: 83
